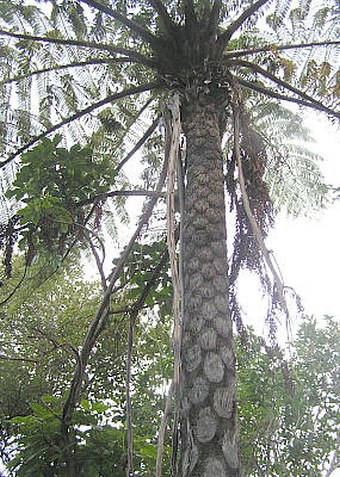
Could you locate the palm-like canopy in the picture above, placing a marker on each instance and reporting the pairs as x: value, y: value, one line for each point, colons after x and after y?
x: 97, y: 73
x: 83, y: 55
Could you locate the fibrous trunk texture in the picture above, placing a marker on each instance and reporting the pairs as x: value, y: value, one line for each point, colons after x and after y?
x: 209, y: 436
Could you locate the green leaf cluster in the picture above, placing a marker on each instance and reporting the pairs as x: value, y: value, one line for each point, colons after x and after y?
x: 138, y: 273
x: 40, y: 451
x: 55, y: 187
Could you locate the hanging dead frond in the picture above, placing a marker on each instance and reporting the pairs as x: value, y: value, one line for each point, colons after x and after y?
x: 173, y: 131
x: 254, y: 216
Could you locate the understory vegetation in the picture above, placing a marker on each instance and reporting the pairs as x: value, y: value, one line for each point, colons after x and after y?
x: 287, y: 402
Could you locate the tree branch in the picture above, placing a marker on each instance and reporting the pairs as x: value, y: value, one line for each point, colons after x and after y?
x: 17, y: 286
x: 263, y: 49
x: 62, y: 67
x: 190, y: 14
x: 123, y: 193
x: 131, y: 54
x: 133, y: 316
x: 273, y: 94
x: 114, y: 97
x: 99, y: 262
x: 129, y: 437
x: 17, y: 358
x: 280, y: 82
x: 162, y: 431
x: 214, y: 16
x: 140, y: 31
x: 139, y: 144
x: 225, y: 37
x: 164, y: 16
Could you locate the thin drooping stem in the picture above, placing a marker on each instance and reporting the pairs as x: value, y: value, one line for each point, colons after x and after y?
x: 122, y: 193
x: 79, y: 114
x: 273, y: 94
x: 18, y: 358
x: 99, y: 262
x: 17, y: 286
x: 133, y: 317
x: 129, y: 464
x: 138, y: 144
x: 162, y: 431
x: 316, y: 104
x: 272, y: 47
x: 225, y: 37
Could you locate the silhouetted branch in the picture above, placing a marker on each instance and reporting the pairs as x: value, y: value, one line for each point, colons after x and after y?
x: 138, y: 145
x: 164, y: 16
x: 114, y: 97
x: 123, y: 193
x: 190, y: 14
x: 129, y: 434
x: 225, y: 37
x: 162, y: 431
x: 214, y: 15
x: 138, y: 306
x: 62, y: 67
x: 17, y: 358
x: 274, y: 48
x: 17, y: 286
x: 301, y: 102
x: 140, y: 31
x: 99, y: 262
x: 280, y: 82
x: 131, y: 54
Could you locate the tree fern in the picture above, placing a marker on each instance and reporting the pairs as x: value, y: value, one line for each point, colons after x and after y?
x: 104, y: 73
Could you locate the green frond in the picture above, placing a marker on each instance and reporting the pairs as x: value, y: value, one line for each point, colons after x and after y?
x: 8, y: 207
x: 295, y: 180
x: 281, y: 10
x: 292, y: 173
x: 281, y: 122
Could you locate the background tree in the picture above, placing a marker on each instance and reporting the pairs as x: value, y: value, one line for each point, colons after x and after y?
x: 200, y: 52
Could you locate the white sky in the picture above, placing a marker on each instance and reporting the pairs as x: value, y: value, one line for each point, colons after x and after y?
x: 308, y: 249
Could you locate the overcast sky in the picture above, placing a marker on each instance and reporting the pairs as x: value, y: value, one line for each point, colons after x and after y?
x: 308, y: 249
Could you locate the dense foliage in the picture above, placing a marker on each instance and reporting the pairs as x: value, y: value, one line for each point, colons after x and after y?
x: 288, y: 407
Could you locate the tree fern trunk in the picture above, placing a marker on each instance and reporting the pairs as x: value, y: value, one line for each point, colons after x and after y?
x: 209, y: 436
